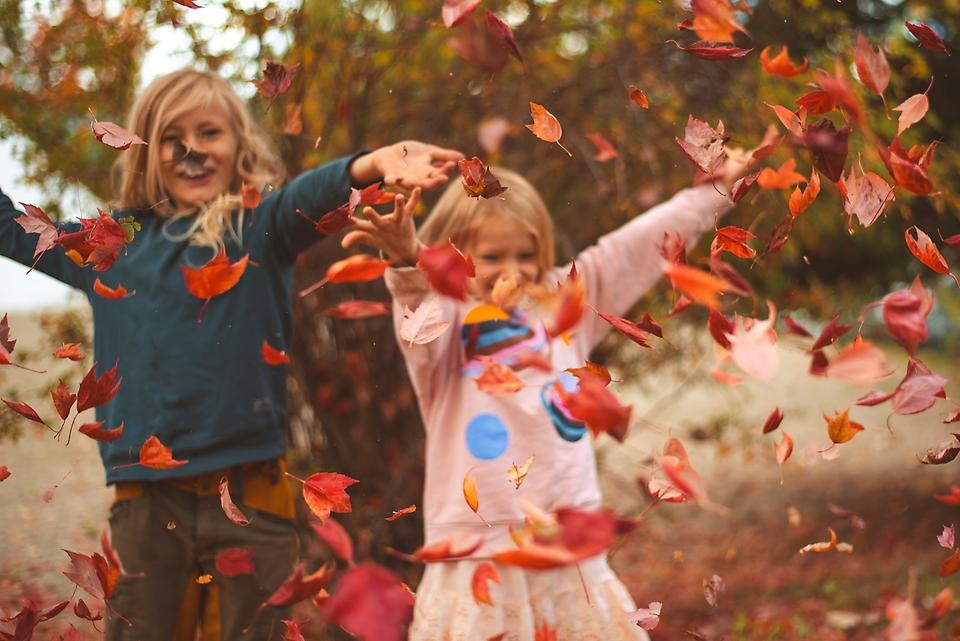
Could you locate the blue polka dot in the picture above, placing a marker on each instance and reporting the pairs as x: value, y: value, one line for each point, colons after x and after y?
x: 486, y: 436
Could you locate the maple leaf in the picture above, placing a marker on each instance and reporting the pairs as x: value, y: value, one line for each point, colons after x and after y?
x: 454, y: 12
x: 696, y: 284
x: 111, y: 293
x: 928, y: 38
x: 872, y: 66
x: 478, y: 180
x: 325, y: 492
x: 793, y: 121
x: 781, y: 65
x: 93, y: 574
x: 828, y: 146
x: 96, y: 432
x: 371, y: 603
x: 355, y: 269
x: 866, y: 196
x: 570, y: 307
x: 943, y: 453
x: 605, y: 151
x: 82, y: 610
x: 410, y: 509
x: 497, y: 379
x: 629, y: 329
x: 734, y: 240
x: 332, y: 221
x: 63, y: 399
x: 445, y: 550
x: 545, y: 126
x: 447, y: 269
x: 98, y: 241
x: 297, y: 587
x: 336, y: 538
x: 785, y: 176
x: 234, y: 561
x: 479, y: 586
x: 712, y: 51
x: 480, y: 43
x: 831, y: 332
x: 424, y: 325
x: 800, y: 202
x: 229, y: 507
x: 95, y: 391
x: 926, y: 252
x: 70, y: 351
x: 353, y: 309
x: 271, y: 355
x: 157, y: 456
x: 20, y: 626
x: 753, y: 345
x: 840, y: 428
x: 276, y: 79
x: 594, y: 405
x: 713, y: 20
x: 861, y: 363
x: 36, y: 221
x: 703, y: 145
x: 216, y: 277
x: 113, y: 135
x: 647, y: 618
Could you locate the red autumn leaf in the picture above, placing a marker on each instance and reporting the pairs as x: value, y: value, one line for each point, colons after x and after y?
x: 293, y: 632
x: 840, y: 428
x: 229, y: 507
x: 424, y: 325
x: 571, y: 308
x: 504, y: 34
x: 371, y: 603
x: 941, y: 454
x: 24, y: 410
x: 93, y: 574
x: 479, y: 181
x: 909, y: 169
x: 928, y: 38
x: 638, y: 97
x: 271, y: 355
x: 297, y: 587
x: 951, y: 565
x: 111, y: 293
x: 36, y: 221
x: 250, y: 196
x: 545, y: 125
x: 447, y: 269
x: 82, y: 610
x: 325, y: 492
x: 596, y: 406
x: 734, y: 240
x: 742, y: 186
x: 795, y: 328
x: 454, y: 12
x: 7, y: 344
x: 98, y: 241
x: 631, y: 330
x: 861, y: 363
x: 355, y: 269
x: 711, y: 51
x: 782, y: 452
x: 720, y: 327
x: 953, y: 498
x: 793, y: 121
x: 276, y: 79
x: 912, y: 110
x: 410, y: 509
x: 926, y: 251
x: 446, y: 550
x: 703, y: 145
x: 157, y: 456
x: 479, y: 43
x: 866, y: 196
x: 830, y: 333
x: 919, y: 389
x: 20, y: 626
x: 591, y: 369
x: 696, y: 284
x: 113, y: 135
x: 828, y: 146
x: 70, y: 351
x: 353, y: 309
x: 773, y: 421
x: 781, y: 65
x: 649, y: 617
x: 332, y: 221
x: 96, y: 432
x: 673, y: 248
x: 234, y: 561
x: 837, y: 86
x: 801, y: 201
x: 479, y: 585
x: 216, y: 277
x: 785, y: 176
x: 189, y: 4
x: 497, y: 379
x: 817, y: 102
x: 95, y: 391
x: 4, y: 472
x: 63, y: 399
x: 872, y: 67
x: 336, y: 538
x: 905, y: 314
x: 371, y: 195
x: 713, y: 20
x: 605, y: 150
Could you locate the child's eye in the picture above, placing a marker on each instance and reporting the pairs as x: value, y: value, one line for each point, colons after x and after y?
x: 490, y: 258
x: 211, y: 133
x: 526, y: 257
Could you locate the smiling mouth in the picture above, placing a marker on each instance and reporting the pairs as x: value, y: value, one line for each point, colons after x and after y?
x: 194, y: 172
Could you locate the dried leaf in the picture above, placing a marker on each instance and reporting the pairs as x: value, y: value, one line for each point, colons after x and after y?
x: 113, y: 135
x: 517, y: 473
x: 483, y: 573
x: 109, y: 293
x: 872, y: 67
x: 711, y: 51
x: 216, y: 277
x: 447, y: 269
x: 273, y: 356
x: 424, y: 325
x: 276, y: 79
x: 353, y: 309
x: 479, y: 181
x: 840, y: 428
x: 157, y: 456
x: 781, y: 65
x: 929, y: 39
x: 703, y: 145
x: 647, y: 618
x: 229, y: 507
x: 545, y: 125
x: 325, y: 492
x: 336, y: 537
x: 410, y: 509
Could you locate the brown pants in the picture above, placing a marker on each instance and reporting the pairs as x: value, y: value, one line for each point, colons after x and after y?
x: 167, y: 535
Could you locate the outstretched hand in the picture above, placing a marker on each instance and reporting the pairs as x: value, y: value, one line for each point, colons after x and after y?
x: 393, y: 234
x: 406, y: 164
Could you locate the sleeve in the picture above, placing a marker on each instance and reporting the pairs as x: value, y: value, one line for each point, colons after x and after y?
x: 624, y: 264
x: 427, y: 363
x: 18, y: 245
x: 314, y: 193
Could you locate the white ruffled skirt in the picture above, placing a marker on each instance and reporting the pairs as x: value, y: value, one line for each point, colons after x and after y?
x: 528, y: 605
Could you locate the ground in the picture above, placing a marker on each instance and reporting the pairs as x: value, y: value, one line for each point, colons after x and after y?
x: 874, y: 494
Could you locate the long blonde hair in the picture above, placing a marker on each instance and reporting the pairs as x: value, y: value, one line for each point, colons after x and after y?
x: 138, y: 169
x: 457, y: 217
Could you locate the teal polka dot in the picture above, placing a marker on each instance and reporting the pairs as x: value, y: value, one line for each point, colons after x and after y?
x: 487, y: 436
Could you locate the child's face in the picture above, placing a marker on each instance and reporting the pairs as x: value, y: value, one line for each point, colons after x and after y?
x: 503, y: 247
x: 210, y: 168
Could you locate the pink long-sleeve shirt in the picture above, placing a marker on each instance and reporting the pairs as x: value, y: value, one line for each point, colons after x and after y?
x: 470, y: 431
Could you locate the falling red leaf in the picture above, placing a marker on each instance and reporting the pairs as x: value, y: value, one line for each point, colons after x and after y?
x: 545, y: 125
x: 785, y: 176
x: 234, y: 561
x: 157, y: 456
x: 734, y: 240
x: 781, y: 65
x: 447, y: 269
x: 454, y: 12
x: 63, y: 399
x: 597, y: 407
x: 631, y: 330
x: 4, y: 472
x: 446, y: 550
x: 773, y: 421
x: 696, y: 284
x: 325, y: 492
x: 504, y: 34
x: 113, y: 135
x: 497, y: 379
x: 928, y: 38
x: 872, y: 66
x: 831, y: 332
x: 479, y: 43
x: 189, y: 4
x: 713, y: 20
x: 793, y: 121
x: 742, y: 186
x: 605, y: 150
x: 82, y: 610
x: 216, y: 277
x: 801, y: 201
x: 905, y: 314
x: 70, y: 351
x: 93, y: 574
x: 95, y: 391
x: 36, y: 221
x: 861, y: 363
x: 840, y: 428
x: 638, y: 97
x: 98, y: 241
x: 703, y: 145
x: 96, y: 432
x: 355, y: 269
x: 336, y: 538
x: 953, y: 498
x: 229, y: 507
x: 371, y: 603
x: 649, y: 617
x: 410, y: 509
x: 866, y: 196
x: 782, y: 451
x: 926, y: 251
x: 332, y: 221
x: 479, y: 181
x: 711, y: 51
x: 273, y: 356
x: 250, y: 196
x: 109, y: 293
x: 482, y: 574
x: 828, y: 146
x: 795, y: 328
x: 298, y: 587
x: 293, y: 122
x: 817, y: 102
x: 24, y: 410
x: 570, y: 310
x: 276, y: 79
x: 909, y: 169
x: 912, y: 110
x: 353, y: 309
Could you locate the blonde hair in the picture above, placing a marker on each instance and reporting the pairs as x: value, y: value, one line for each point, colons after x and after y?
x: 457, y: 217
x: 138, y: 169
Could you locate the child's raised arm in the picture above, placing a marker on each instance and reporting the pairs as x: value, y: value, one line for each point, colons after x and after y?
x: 406, y: 164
